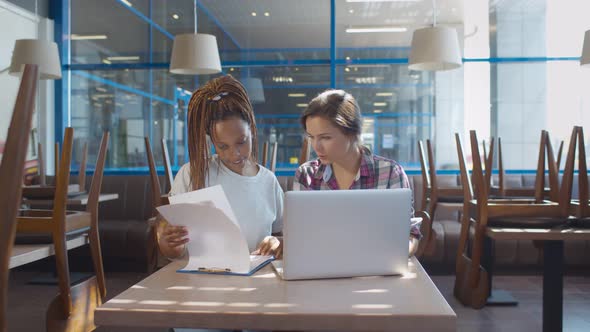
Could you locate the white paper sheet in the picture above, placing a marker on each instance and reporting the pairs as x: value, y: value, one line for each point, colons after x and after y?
x: 215, y: 240
x: 214, y: 194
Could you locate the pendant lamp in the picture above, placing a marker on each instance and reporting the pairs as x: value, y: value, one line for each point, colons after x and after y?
x: 195, y: 53
x: 434, y: 48
x: 43, y: 53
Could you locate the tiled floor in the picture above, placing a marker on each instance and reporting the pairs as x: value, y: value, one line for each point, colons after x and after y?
x: 27, y: 303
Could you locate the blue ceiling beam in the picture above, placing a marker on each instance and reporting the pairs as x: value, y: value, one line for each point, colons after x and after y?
x: 146, y: 19
x: 218, y: 24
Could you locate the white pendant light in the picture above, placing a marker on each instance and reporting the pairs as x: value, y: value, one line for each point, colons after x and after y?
x: 585, y: 59
x: 195, y: 53
x: 435, y: 48
x: 43, y: 53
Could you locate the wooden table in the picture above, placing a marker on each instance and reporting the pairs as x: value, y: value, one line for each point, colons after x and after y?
x: 266, y: 302
x: 27, y: 253
x: 552, y: 265
x: 73, y: 200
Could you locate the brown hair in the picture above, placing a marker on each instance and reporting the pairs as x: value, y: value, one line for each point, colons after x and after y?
x: 220, y: 99
x: 339, y: 107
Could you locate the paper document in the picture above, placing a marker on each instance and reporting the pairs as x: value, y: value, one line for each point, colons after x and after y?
x: 216, y: 243
x: 214, y: 194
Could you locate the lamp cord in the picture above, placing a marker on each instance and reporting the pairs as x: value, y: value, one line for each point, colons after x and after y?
x: 433, y: 13
x: 195, y: 13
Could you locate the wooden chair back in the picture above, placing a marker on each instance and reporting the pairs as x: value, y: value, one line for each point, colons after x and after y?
x: 167, y: 167
x: 42, y: 190
x: 472, y: 280
x: 11, y: 174
x: 273, y: 157
x: 464, y: 291
x: 540, y: 191
x: 559, y: 151
x: 154, y: 181
x: 489, y: 161
x: 82, y: 170
x: 264, y: 159
x: 432, y: 173
x: 157, y: 197
x: 59, y: 222
x: 42, y: 173
x: 426, y: 185
x: 556, y: 194
x: 86, y: 296
x: 305, y: 150
x: 92, y: 208
x: 431, y: 195
x: 580, y: 208
x: 467, y: 197
x: 56, y: 157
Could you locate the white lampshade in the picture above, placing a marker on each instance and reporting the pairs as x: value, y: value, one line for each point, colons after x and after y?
x: 43, y: 53
x: 435, y: 48
x: 585, y: 59
x: 254, y: 88
x: 194, y: 54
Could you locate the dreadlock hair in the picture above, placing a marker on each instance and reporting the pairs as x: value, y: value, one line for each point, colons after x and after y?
x: 219, y: 99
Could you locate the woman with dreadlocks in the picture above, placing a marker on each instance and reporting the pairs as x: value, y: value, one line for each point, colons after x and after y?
x: 221, y: 111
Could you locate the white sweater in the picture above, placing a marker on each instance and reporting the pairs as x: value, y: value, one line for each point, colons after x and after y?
x: 257, y: 201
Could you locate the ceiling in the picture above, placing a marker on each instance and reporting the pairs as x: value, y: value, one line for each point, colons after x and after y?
x: 302, y: 24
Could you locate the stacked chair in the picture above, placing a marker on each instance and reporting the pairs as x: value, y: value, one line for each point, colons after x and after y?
x: 432, y: 194
x: 473, y: 282
x: 11, y: 174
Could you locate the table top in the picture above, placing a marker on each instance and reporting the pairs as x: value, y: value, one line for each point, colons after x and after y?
x: 547, y: 234
x: 265, y: 301
x: 73, y: 200
x: 26, y: 253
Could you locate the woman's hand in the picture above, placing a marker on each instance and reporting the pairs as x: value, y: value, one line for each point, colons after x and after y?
x: 172, y: 240
x: 271, y: 245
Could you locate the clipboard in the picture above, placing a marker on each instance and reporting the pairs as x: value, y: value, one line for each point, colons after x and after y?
x: 258, y: 264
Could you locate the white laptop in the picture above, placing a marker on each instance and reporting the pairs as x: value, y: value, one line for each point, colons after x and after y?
x: 345, y: 233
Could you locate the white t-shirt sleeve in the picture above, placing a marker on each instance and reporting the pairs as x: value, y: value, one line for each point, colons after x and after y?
x: 182, y: 181
x: 277, y: 225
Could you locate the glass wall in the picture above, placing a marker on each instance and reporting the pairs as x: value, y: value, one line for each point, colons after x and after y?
x: 120, y: 80
x: 537, y: 82
x: 520, y: 73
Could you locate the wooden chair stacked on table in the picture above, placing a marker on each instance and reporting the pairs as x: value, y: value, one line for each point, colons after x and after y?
x: 580, y: 208
x: 273, y: 156
x: 501, y: 190
x: 158, y: 198
x: 44, y: 190
x: 73, y: 308
x: 432, y: 194
x: 11, y: 174
x: 472, y: 283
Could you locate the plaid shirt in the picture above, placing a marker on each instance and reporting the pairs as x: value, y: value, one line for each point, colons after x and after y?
x: 375, y: 172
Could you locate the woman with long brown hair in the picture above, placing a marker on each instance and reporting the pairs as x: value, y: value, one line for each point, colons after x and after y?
x: 333, y: 123
x: 220, y: 112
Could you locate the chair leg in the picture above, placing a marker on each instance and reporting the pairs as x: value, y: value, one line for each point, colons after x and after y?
x: 487, y: 260
x: 427, y: 245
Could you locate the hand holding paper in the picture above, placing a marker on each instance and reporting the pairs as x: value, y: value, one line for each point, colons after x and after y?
x: 216, y: 242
